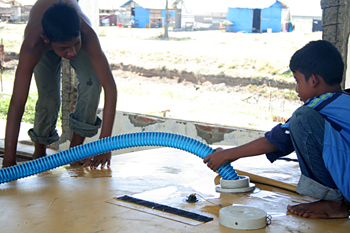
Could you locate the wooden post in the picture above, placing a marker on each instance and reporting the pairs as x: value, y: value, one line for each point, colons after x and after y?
x: 336, y: 27
x: 69, y: 97
x: 2, y: 60
x: 68, y: 76
x: 166, y: 35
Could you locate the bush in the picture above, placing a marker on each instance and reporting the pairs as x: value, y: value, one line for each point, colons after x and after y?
x: 29, y: 112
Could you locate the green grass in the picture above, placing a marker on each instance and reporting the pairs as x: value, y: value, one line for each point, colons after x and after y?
x: 4, y: 105
x: 197, y: 63
x: 29, y: 112
x: 10, y: 45
x: 208, y: 53
x: 221, y: 65
x: 265, y: 91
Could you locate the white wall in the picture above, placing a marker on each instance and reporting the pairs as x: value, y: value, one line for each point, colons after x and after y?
x: 91, y: 10
x: 211, y: 134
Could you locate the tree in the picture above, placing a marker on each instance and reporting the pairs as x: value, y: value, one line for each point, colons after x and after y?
x: 166, y: 23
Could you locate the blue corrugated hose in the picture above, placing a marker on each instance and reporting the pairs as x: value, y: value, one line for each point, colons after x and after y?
x: 114, y: 143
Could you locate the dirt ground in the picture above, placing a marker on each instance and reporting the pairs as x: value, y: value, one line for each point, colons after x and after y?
x: 204, y: 52
x: 220, y: 104
x: 238, y: 106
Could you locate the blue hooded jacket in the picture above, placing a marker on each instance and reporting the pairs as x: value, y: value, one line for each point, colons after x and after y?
x: 335, y: 109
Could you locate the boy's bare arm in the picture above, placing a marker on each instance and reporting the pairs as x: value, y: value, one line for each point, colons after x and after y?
x: 256, y: 147
x: 27, y: 62
x: 91, y: 45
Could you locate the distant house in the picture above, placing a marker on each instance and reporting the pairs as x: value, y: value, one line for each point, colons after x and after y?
x: 23, y: 9
x: 110, y: 12
x: 15, y: 10
x: 5, y: 10
x: 200, y: 15
x: 147, y: 13
x: 307, y: 18
x: 246, y: 15
x: 255, y: 16
x: 108, y: 20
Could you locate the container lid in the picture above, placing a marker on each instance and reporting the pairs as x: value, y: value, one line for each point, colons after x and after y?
x: 243, y: 217
x: 250, y: 188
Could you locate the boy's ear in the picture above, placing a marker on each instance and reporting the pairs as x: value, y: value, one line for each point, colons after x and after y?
x: 45, y: 39
x: 315, y: 79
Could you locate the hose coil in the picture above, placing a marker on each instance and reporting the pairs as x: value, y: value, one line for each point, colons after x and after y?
x: 118, y: 142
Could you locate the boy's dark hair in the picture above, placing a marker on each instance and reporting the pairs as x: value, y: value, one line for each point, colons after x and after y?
x: 61, y: 22
x: 319, y: 58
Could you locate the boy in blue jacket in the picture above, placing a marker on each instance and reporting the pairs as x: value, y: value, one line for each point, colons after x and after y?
x: 318, y: 131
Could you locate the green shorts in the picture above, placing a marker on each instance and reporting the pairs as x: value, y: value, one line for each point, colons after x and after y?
x: 83, y: 120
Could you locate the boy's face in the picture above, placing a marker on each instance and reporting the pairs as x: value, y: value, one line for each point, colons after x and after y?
x: 304, y: 88
x: 67, y: 49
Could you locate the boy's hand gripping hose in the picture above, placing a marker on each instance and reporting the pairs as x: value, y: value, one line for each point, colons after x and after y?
x: 114, y: 143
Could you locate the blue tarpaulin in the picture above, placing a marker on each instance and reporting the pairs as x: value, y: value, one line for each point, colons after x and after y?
x: 242, y: 18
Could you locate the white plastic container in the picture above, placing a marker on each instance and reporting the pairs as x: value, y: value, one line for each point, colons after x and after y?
x: 241, y: 185
x: 243, y: 217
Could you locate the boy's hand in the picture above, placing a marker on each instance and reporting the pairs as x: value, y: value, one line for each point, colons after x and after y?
x: 102, y: 159
x: 216, y: 159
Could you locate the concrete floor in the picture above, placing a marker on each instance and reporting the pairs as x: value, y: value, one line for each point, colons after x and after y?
x: 76, y: 199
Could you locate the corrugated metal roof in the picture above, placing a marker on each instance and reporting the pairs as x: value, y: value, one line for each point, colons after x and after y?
x: 304, y: 8
x: 195, y: 5
x: 252, y: 4
x: 126, y: 3
x: 8, y: 4
x: 26, y: 2
x: 200, y: 6
x: 5, y: 5
x: 151, y: 4
x: 110, y: 4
